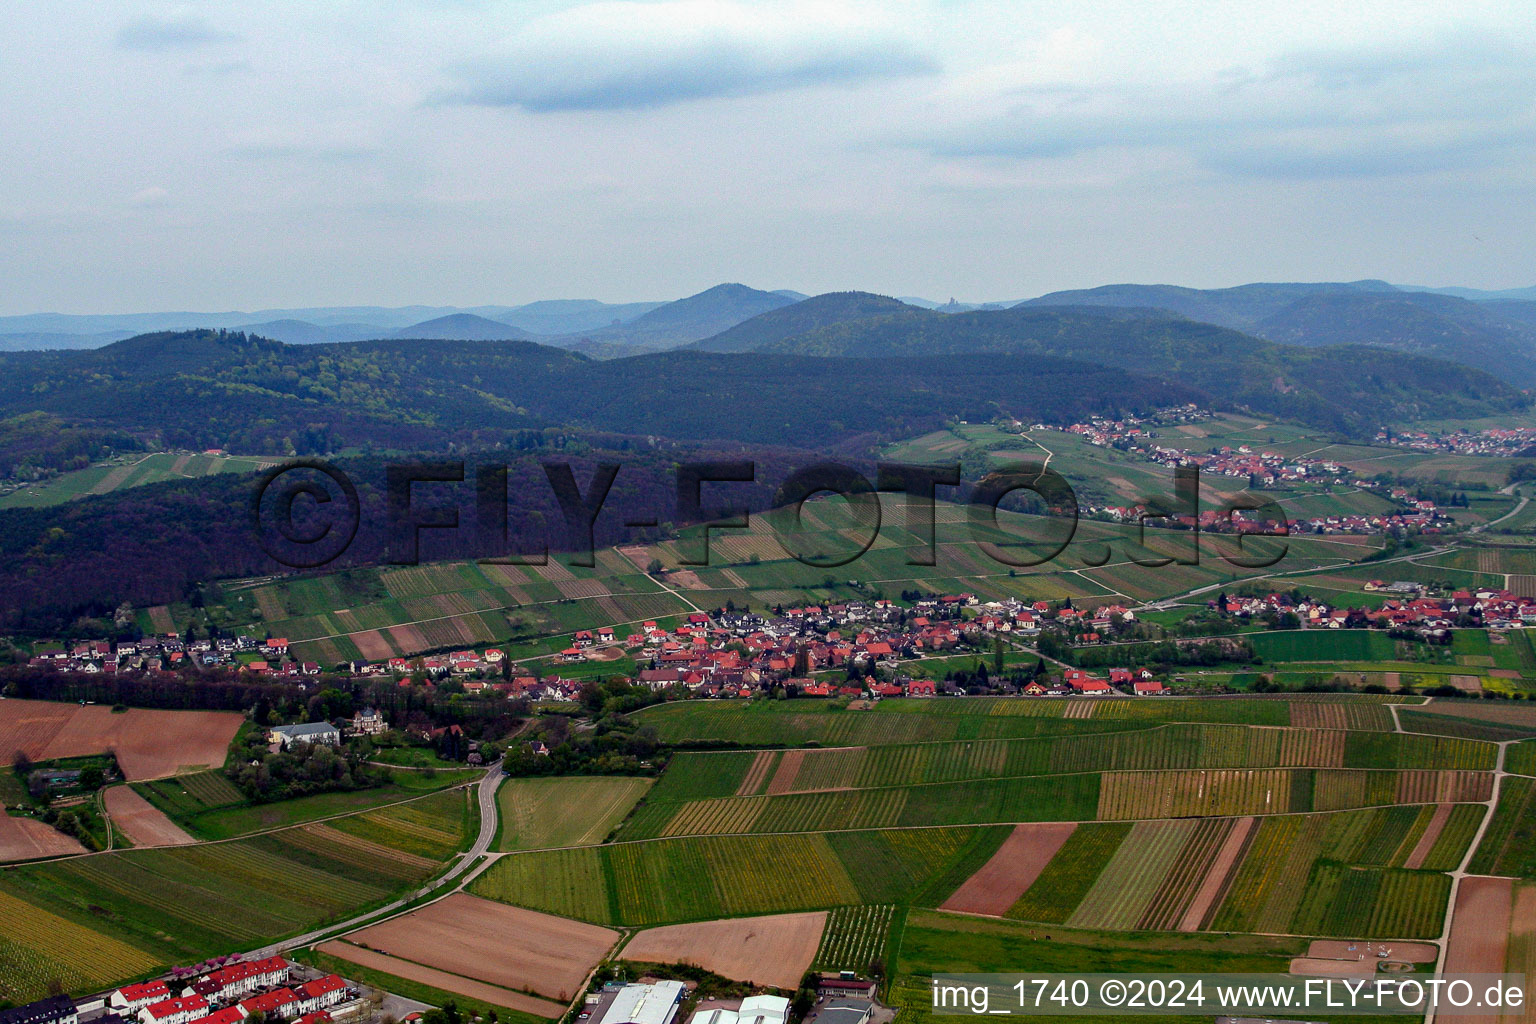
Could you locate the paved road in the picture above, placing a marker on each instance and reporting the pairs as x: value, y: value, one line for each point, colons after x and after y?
x: 1507, y: 515
x: 1461, y: 872
x: 486, y: 795
x: 1168, y: 602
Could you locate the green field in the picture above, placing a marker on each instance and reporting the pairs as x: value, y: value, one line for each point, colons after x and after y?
x: 1342, y: 875
x: 694, y: 879
x: 936, y: 943
x: 828, y: 723
x: 540, y: 814
x: 209, y: 807
x: 1324, y: 645
x: 1509, y: 845
x: 182, y: 904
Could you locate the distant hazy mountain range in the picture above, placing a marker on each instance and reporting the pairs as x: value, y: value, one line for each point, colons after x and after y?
x: 1493, y: 331
x: 599, y: 328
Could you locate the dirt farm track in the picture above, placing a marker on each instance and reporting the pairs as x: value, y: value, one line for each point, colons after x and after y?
x: 149, y: 744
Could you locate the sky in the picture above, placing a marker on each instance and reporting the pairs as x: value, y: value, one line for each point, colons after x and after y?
x: 186, y: 154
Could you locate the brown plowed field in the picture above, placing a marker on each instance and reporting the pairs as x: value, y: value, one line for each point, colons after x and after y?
x: 25, y: 839
x: 495, y: 943
x: 149, y: 744
x: 1479, y: 933
x: 1431, y: 834
x: 372, y: 645
x: 1011, y: 870
x: 763, y: 950
x: 141, y: 821
x: 455, y: 983
x: 1215, y: 883
x: 784, y: 777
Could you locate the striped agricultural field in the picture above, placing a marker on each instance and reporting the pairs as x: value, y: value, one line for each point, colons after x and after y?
x: 1187, y: 875
x: 716, y: 817
x: 757, y: 771
x: 1125, y: 888
x: 1309, y: 714
x: 1204, y: 793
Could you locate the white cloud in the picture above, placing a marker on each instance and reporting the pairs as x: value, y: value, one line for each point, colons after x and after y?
x: 157, y: 34
x: 626, y: 55
x: 1358, y: 112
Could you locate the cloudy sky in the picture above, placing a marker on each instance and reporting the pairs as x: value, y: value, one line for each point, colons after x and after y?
x: 188, y: 154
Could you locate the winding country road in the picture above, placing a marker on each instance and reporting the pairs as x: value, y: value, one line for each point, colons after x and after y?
x: 485, y: 794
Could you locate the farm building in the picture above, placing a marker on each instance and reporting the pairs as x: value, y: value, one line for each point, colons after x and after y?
x: 844, y: 1011
x: 53, y: 1010
x: 309, y: 732
x: 753, y: 1010
x: 763, y: 1010
x: 837, y: 986
x: 655, y: 1003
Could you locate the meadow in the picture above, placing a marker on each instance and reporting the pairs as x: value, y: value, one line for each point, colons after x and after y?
x: 539, y: 814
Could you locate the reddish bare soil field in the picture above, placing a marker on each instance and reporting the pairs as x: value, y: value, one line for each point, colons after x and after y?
x: 1479, y: 933
x: 454, y: 983
x: 372, y: 645
x: 1011, y: 870
x: 1210, y: 891
x: 784, y: 776
x: 773, y: 950
x: 141, y: 821
x: 149, y: 744
x: 25, y: 839
x: 1431, y: 834
x: 532, y: 951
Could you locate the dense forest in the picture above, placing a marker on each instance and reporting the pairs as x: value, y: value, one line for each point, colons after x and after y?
x: 1348, y: 389
x: 217, y: 389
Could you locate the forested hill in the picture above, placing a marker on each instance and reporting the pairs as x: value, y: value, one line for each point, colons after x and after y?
x: 810, y: 315
x: 1499, y: 337
x: 207, y: 389
x: 1350, y: 389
